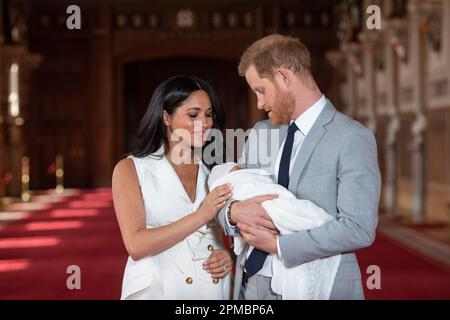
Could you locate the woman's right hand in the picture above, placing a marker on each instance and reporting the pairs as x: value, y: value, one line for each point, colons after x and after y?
x: 215, y: 200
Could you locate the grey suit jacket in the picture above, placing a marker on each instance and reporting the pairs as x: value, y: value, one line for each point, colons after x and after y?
x: 337, y: 169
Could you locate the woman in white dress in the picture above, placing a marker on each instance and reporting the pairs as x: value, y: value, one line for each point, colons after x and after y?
x: 165, y: 213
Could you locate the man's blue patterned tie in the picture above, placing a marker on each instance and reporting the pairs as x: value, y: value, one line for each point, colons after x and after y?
x: 257, y: 257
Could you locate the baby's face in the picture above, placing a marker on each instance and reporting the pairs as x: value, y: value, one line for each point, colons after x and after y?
x: 235, y: 168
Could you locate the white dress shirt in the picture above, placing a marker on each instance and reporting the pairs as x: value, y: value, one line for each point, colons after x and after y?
x: 304, y: 123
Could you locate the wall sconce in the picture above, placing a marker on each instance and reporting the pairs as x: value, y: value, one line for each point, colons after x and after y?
x: 26, y: 179
x: 59, y: 174
x: 13, y: 96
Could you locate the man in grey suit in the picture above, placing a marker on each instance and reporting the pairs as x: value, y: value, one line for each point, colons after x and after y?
x: 319, y: 154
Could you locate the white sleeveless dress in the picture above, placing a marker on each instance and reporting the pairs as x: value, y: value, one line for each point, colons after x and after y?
x: 177, y: 272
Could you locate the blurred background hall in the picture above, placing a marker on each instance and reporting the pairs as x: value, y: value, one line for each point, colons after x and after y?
x: 71, y: 100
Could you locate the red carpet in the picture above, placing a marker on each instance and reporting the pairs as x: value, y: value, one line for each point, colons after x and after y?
x: 36, y: 251
x: 405, y: 274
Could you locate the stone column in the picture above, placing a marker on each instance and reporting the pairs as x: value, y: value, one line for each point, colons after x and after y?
x: 337, y: 61
x: 418, y: 62
x: 369, y: 41
x: 392, y: 68
x: 350, y: 50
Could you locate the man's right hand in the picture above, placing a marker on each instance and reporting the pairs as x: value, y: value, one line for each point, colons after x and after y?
x: 251, y: 212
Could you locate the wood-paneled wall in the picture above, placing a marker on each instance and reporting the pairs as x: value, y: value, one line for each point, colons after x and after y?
x: 77, y: 100
x: 58, y: 117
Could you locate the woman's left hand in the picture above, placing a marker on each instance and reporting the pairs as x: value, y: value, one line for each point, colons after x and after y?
x: 219, y: 263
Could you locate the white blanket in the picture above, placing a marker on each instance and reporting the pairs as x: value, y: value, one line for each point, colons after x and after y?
x: 311, y: 280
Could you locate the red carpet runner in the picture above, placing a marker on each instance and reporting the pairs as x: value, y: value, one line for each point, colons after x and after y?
x: 36, y: 251
x: 83, y: 231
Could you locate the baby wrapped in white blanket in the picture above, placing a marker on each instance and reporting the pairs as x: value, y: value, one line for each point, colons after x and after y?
x: 311, y: 280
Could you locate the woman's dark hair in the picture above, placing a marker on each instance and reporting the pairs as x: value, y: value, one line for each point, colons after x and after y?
x: 168, y: 96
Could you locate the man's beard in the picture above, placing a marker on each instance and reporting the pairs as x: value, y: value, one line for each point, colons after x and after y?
x: 282, y: 109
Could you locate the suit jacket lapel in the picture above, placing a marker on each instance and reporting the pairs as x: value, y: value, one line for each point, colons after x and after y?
x: 309, y: 144
x: 283, y: 134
